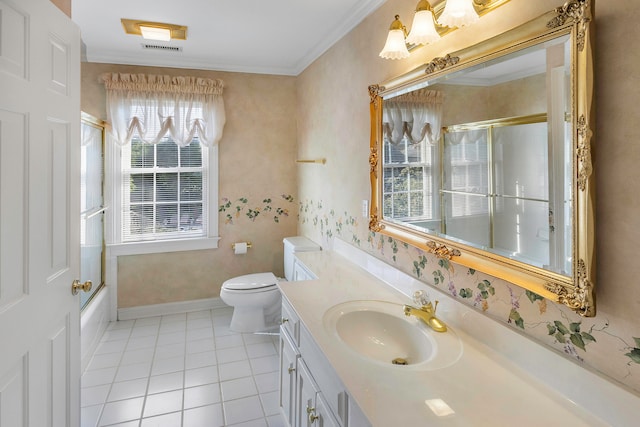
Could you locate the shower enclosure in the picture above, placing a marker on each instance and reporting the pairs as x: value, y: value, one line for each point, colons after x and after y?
x: 92, y: 207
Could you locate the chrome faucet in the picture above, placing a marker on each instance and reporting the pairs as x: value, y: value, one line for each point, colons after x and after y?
x: 426, y: 313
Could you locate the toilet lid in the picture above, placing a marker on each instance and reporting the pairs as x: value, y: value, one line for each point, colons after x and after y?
x: 251, y: 281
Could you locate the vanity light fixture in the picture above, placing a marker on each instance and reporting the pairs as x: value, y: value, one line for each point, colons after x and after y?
x: 427, y: 27
x: 423, y: 31
x: 154, y: 30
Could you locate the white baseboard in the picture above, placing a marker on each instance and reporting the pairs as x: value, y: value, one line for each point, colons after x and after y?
x: 142, y: 311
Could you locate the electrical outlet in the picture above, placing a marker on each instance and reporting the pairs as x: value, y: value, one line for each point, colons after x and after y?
x: 365, y: 209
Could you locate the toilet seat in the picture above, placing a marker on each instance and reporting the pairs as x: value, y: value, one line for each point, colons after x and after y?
x: 249, y: 282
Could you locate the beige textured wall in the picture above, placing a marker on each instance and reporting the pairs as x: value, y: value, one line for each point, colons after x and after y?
x: 333, y: 106
x: 257, y: 163
x: 468, y: 104
x: 63, y: 5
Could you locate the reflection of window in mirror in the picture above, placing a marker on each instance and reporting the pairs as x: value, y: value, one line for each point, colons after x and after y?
x: 412, y: 129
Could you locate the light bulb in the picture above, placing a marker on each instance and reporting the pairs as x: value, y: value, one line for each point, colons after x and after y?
x: 423, y: 30
x: 395, y: 47
x: 458, y: 13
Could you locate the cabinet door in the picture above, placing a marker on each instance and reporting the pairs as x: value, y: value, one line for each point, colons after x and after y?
x: 301, y: 273
x: 313, y: 410
x: 305, y: 396
x: 288, y: 361
x: 324, y: 416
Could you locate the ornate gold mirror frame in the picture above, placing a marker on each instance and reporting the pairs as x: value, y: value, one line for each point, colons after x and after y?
x: 576, y: 290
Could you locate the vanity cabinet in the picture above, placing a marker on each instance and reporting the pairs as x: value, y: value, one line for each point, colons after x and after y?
x: 311, y: 393
x: 300, y: 272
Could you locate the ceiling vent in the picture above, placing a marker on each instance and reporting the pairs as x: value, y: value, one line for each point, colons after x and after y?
x: 160, y: 47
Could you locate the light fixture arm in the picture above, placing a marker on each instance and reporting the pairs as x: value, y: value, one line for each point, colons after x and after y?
x: 424, y: 5
x: 398, y: 25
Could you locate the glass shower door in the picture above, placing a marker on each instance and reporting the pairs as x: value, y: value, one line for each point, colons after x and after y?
x: 92, y: 207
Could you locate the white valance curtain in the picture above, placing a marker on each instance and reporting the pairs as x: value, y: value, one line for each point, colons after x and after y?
x: 468, y: 136
x: 412, y: 117
x: 155, y: 106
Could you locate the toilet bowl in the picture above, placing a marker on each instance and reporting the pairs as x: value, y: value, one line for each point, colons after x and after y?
x: 255, y: 298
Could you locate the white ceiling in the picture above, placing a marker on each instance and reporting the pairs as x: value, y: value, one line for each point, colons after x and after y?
x: 525, y: 63
x: 255, y: 36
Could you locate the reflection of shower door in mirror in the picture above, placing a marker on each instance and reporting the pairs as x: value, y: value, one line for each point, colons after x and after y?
x: 92, y: 207
x: 492, y: 196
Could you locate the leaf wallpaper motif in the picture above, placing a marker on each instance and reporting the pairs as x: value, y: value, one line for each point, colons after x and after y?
x: 233, y: 210
x: 591, y: 342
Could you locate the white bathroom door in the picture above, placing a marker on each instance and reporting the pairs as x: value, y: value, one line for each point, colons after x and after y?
x: 39, y: 215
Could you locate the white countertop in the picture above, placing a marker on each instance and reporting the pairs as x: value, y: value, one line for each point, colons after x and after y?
x: 483, y: 387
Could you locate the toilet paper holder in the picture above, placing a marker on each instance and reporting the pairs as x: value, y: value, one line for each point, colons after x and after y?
x: 233, y: 245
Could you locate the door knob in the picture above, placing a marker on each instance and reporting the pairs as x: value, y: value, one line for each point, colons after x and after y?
x: 76, y: 286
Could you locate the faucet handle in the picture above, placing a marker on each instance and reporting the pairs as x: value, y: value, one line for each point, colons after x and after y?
x: 421, y: 298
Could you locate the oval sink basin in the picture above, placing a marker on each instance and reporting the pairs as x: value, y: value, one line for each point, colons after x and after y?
x: 380, y: 332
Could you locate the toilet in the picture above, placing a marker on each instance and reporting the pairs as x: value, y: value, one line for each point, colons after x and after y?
x: 255, y: 298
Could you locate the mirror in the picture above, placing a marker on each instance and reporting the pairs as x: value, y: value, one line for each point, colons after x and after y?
x: 483, y: 157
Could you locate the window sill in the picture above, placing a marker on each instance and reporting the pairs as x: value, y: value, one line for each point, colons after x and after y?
x: 154, y: 247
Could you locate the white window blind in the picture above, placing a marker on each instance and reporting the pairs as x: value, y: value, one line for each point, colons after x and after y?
x: 164, y: 191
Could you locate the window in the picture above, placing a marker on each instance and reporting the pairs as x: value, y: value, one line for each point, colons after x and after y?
x: 162, y: 162
x: 160, y: 195
x: 164, y: 190
x: 411, y: 125
x: 408, y: 184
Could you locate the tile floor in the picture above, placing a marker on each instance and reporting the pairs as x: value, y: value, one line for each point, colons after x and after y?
x: 185, y: 370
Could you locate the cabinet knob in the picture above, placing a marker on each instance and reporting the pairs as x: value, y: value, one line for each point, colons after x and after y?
x: 312, y: 416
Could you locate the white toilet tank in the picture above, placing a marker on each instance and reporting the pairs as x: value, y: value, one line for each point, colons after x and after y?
x: 293, y: 245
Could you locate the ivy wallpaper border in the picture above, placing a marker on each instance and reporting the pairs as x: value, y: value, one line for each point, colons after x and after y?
x: 233, y: 210
x: 590, y: 342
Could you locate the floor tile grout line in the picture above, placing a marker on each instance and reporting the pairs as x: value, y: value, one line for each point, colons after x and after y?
x: 144, y: 401
x: 215, y: 347
x: 113, y: 380
x: 184, y: 368
x: 245, y: 343
x: 116, y: 375
x: 253, y: 378
x: 153, y: 360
